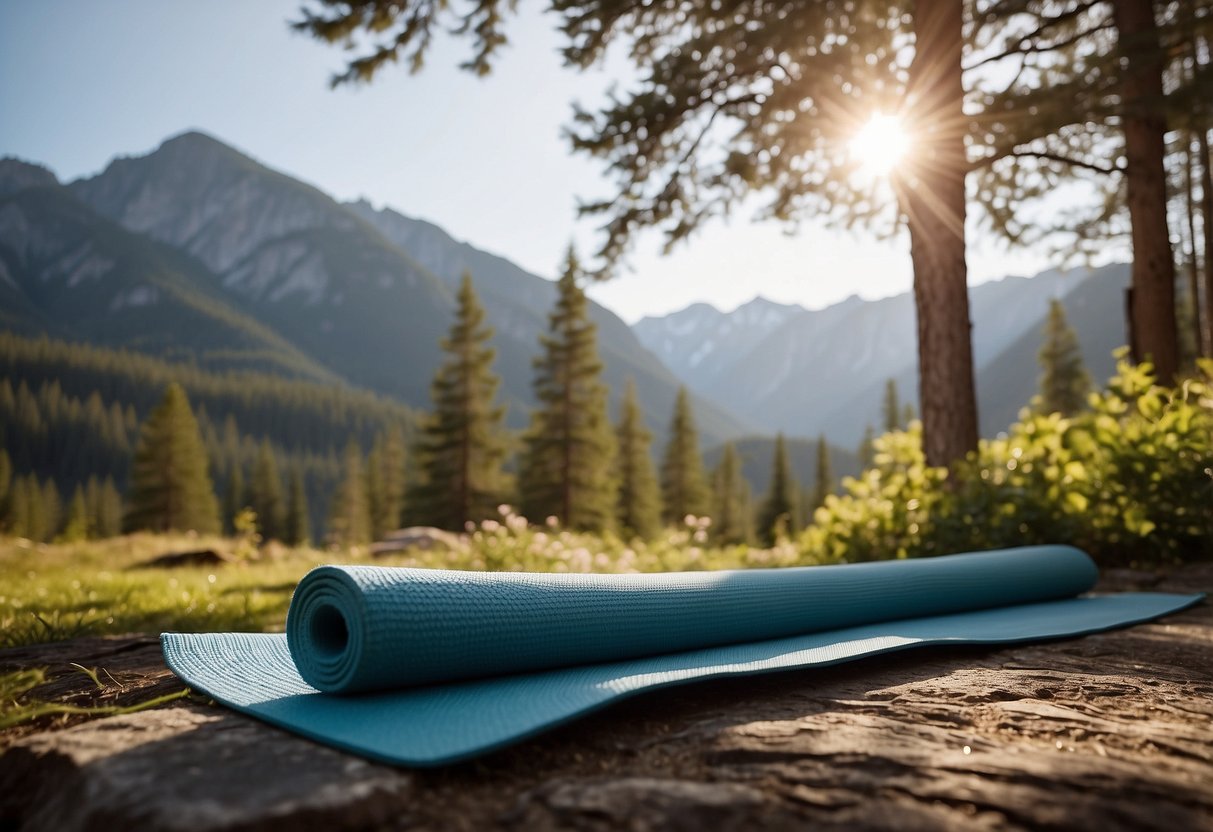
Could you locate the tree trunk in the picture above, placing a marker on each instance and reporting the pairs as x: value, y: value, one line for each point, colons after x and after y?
x: 1153, y: 311
x: 1193, y: 257
x: 931, y: 191
x: 1206, y: 209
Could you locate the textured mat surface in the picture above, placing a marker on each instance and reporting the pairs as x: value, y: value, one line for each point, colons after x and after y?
x: 425, y: 667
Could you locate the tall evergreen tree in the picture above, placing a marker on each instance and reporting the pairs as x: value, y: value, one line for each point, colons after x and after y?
x: 76, y: 526
x: 781, y: 507
x: 22, y: 511
x: 823, y: 483
x: 107, y: 514
x: 866, y: 452
x: 639, y: 511
x: 265, y: 494
x: 566, y: 466
x: 683, y: 487
x: 298, y: 531
x: 6, y: 478
x: 386, y: 474
x: 234, y: 498
x: 1064, y: 382
x: 170, y: 482
x: 732, y: 517
x: 459, y: 449
x: 891, y: 408
x: 349, y: 513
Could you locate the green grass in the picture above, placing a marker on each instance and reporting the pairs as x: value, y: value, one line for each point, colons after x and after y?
x: 52, y: 592
x: 56, y: 592
x: 18, y: 708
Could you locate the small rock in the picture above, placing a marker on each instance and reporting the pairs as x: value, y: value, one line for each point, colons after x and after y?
x: 199, y: 557
x: 425, y: 538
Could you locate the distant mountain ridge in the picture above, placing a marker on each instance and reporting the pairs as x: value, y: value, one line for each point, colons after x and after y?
x: 824, y: 371
x: 233, y: 265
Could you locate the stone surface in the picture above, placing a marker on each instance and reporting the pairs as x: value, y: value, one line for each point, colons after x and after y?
x: 1112, y: 731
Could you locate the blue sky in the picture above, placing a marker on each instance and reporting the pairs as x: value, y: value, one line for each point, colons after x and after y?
x: 81, y: 82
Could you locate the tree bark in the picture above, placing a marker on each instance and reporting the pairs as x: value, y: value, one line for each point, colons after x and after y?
x: 1153, y: 306
x: 1192, y: 256
x: 1206, y: 206
x: 931, y: 191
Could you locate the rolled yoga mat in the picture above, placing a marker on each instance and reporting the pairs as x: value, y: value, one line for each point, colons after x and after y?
x: 425, y: 667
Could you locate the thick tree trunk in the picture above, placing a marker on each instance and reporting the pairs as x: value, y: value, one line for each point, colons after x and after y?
x: 932, y: 194
x: 1153, y: 309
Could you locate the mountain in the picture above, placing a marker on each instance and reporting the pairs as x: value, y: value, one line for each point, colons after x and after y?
x: 825, y: 370
x: 197, y: 252
x: 700, y: 342
x: 518, y: 303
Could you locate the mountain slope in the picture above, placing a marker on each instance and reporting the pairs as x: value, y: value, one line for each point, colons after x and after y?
x: 66, y: 272
x: 289, y: 255
x: 826, y: 370
x: 518, y: 303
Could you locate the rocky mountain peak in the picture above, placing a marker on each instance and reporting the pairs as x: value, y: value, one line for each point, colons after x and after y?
x: 17, y: 175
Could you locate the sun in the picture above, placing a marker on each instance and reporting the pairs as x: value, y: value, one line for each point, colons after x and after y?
x: 879, y: 145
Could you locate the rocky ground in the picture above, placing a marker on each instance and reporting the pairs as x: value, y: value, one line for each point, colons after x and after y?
x: 1113, y: 731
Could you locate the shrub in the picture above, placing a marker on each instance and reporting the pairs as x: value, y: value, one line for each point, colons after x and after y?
x: 1130, y: 480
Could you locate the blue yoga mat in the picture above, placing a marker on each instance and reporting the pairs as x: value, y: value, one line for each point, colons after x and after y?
x: 426, y: 667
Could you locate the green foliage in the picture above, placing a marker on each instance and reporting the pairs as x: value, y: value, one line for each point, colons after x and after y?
x: 1130, y: 480
x: 1064, y: 383
x: 350, y: 512
x: 781, y: 507
x: 170, y: 481
x: 732, y: 514
x: 459, y: 450
x: 234, y: 498
x: 639, y: 509
x: 823, y: 482
x: 265, y: 494
x: 890, y: 407
x: 566, y: 467
x: 298, y: 527
x: 684, y: 491
x: 386, y: 483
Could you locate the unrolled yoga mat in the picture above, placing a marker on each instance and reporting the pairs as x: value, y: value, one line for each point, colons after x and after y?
x: 424, y: 667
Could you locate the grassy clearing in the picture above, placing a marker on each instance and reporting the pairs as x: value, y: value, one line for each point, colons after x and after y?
x: 52, y: 592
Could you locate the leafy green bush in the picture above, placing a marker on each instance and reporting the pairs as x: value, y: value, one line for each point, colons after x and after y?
x: 1130, y: 481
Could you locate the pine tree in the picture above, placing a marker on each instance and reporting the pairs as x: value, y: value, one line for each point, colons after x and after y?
x: 297, y: 532
x: 234, y: 498
x: 52, y: 511
x: 824, y: 481
x: 76, y: 528
x: 349, y: 514
x: 891, y: 407
x: 1064, y: 382
x: 20, y: 508
x: 866, y: 452
x: 108, y: 512
x: 170, y: 484
x: 6, y: 478
x: 732, y: 520
x: 459, y: 449
x: 780, y: 509
x: 265, y: 494
x: 639, y: 511
x: 566, y: 466
x: 683, y: 487
x: 386, y: 482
